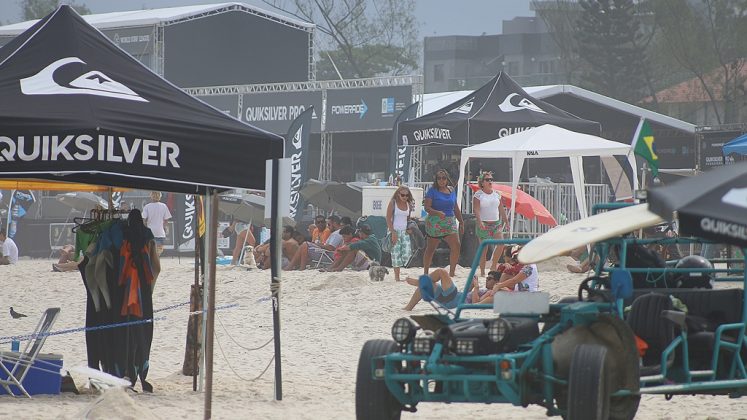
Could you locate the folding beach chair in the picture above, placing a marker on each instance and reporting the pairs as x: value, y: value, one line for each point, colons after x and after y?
x: 326, y: 258
x: 23, y: 362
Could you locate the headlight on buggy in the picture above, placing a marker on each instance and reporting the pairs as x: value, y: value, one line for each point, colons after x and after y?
x: 423, y: 343
x: 498, y: 330
x: 403, y: 330
x: 465, y: 346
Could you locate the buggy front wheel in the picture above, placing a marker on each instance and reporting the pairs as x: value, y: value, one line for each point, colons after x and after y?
x: 373, y: 401
x: 589, y: 384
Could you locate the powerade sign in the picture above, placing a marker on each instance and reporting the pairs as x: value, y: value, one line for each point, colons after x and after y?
x: 226, y: 103
x: 274, y: 112
x: 366, y: 108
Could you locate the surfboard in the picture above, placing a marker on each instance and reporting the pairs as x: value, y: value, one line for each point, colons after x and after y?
x: 582, y: 232
x: 101, y: 378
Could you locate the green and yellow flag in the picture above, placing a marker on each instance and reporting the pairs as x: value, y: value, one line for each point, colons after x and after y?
x: 644, y: 147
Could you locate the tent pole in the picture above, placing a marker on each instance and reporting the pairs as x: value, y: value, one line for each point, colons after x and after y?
x: 276, y: 265
x: 210, y: 313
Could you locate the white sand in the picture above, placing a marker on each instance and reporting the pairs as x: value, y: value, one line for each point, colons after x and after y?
x: 326, y: 318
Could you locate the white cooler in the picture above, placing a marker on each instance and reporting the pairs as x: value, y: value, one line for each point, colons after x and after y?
x: 376, y: 199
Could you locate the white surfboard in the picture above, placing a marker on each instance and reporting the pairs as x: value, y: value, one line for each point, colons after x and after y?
x: 582, y: 232
x: 101, y: 379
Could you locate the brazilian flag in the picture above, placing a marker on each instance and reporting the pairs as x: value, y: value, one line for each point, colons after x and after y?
x: 644, y: 147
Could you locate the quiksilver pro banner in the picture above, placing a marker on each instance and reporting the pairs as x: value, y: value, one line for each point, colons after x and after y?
x: 399, y: 156
x: 297, y: 149
x: 185, y: 222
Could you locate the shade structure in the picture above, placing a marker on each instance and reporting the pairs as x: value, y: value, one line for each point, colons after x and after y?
x: 526, y: 205
x: 497, y: 109
x: 738, y: 145
x: 22, y: 184
x: 547, y: 141
x: 77, y: 108
x: 248, y: 209
x: 344, y: 198
x: 82, y: 200
x: 711, y: 205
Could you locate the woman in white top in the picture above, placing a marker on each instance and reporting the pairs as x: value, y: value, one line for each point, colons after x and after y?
x: 491, y: 217
x: 397, y: 215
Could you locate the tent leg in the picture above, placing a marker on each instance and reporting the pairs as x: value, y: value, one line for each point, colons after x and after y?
x: 210, y: 313
x: 276, y: 270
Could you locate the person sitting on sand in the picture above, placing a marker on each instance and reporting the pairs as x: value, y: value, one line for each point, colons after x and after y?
x: 517, y: 277
x: 262, y: 253
x: 447, y: 293
x: 360, y: 253
x: 68, y: 260
x: 312, y: 251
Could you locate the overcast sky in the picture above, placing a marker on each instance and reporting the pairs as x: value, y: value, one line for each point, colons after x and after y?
x: 436, y: 17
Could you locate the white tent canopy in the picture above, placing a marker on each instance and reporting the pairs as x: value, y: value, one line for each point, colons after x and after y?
x: 546, y: 141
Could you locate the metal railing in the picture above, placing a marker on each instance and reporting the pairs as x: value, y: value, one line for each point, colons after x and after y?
x: 559, y: 199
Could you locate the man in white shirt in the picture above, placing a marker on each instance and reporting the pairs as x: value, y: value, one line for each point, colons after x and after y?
x: 9, y: 250
x: 156, y: 216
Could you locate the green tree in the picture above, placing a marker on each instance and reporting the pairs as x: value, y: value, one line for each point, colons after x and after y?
x: 705, y: 40
x: 37, y: 9
x: 360, y: 38
x: 611, y: 48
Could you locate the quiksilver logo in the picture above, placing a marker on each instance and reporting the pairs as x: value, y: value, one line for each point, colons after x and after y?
x: 465, y: 108
x: 720, y: 227
x: 510, y: 104
x: 90, y: 83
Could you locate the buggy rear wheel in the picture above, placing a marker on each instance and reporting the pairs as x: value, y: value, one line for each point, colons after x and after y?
x: 373, y: 401
x: 589, y: 384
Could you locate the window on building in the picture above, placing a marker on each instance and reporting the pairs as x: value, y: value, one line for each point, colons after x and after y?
x: 513, y: 68
x: 438, y: 73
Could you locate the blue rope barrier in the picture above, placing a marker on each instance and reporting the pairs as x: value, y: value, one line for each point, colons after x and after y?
x: 32, y: 336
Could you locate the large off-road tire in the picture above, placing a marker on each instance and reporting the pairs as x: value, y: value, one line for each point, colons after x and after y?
x: 627, y: 368
x: 589, y: 384
x: 373, y: 401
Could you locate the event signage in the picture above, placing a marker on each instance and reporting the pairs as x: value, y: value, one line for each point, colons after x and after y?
x: 226, y: 103
x: 365, y: 108
x: 297, y: 149
x: 400, y: 153
x: 185, y: 222
x: 136, y: 41
x: 274, y: 112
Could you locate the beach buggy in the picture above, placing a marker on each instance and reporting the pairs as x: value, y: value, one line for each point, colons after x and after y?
x: 635, y: 328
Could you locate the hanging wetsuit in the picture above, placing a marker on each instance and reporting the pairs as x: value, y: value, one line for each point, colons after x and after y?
x: 138, y: 269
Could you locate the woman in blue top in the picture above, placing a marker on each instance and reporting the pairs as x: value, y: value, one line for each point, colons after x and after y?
x: 441, y: 222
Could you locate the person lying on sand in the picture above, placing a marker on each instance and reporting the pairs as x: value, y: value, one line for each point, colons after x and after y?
x: 447, y: 293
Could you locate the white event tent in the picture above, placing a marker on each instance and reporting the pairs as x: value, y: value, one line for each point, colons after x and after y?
x: 546, y: 141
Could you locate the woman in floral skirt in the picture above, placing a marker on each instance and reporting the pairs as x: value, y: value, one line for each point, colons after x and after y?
x: 397, y: 215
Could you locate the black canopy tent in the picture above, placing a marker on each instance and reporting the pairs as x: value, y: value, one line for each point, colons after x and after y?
x: 499, y: 108
x: 77, y: 108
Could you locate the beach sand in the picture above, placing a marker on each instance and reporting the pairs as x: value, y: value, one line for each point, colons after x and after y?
x: 326, y: 318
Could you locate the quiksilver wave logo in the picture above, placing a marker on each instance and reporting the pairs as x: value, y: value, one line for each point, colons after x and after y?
x: 90, y: 83
x: 514, y: 102
x: 720, y: 227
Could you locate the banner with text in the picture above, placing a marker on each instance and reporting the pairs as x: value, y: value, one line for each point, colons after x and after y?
x: 364, y: 109
x: 297, y: 149
x: 185, y: 222
x: 274, y: 112
x: 400, y: 154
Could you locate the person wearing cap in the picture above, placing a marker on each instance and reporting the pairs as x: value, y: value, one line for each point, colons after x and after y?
x: 326, y: 237
x: 360, y: 253
x: 156, y: 216
x: 516, y: 276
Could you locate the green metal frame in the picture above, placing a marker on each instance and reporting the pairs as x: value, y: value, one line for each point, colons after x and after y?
x: 529, y: 377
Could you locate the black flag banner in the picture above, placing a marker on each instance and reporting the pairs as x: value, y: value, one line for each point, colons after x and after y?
x: 185, y: 222
x: 297, y: 149
x: 399, y: 157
